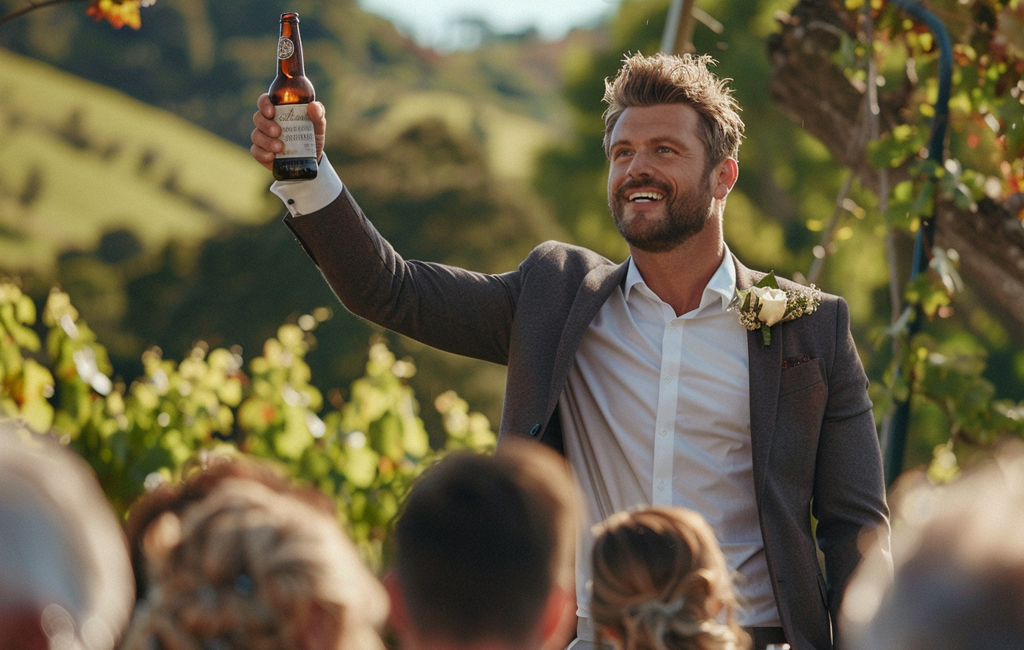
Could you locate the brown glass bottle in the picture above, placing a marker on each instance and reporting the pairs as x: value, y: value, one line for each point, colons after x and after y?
x: 290, y: 92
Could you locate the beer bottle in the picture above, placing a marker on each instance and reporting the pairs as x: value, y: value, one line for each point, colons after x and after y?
x: 291, y: 92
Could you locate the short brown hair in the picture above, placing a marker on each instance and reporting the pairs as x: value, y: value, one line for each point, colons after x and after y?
x: 668, y: 79
x: 483, y: 540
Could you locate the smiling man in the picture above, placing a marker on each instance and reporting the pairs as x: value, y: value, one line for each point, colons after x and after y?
x: 641, y: 373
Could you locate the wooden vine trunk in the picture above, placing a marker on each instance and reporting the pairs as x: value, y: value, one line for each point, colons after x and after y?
x: 812, y: 91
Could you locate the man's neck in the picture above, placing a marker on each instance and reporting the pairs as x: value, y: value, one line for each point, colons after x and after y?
x: 679, y: 276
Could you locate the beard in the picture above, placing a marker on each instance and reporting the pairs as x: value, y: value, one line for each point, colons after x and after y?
x: 686, y: 214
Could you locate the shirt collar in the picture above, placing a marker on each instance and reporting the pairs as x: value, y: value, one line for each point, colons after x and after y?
x: 721, y: 286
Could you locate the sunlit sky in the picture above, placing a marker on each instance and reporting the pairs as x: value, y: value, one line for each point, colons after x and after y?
x: 433, y: 22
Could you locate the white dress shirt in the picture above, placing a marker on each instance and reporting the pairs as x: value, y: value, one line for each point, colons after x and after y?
x: 656, y: 411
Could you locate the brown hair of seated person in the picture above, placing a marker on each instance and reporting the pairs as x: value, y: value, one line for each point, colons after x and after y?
x: 660, y: 582
x: 252, y: 568
x: 201, y: 476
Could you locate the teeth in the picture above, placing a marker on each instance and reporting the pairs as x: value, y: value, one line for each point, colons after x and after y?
x: 646, y: 196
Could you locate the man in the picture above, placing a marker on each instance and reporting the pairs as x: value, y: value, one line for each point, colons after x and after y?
x: 640, y: 372
x: 483, y: 553
x: 65, y: 580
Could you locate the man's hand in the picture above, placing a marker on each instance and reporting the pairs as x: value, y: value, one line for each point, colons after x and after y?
x: 265, y: 143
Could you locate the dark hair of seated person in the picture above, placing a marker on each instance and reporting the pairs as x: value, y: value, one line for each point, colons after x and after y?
x: 483, y: 541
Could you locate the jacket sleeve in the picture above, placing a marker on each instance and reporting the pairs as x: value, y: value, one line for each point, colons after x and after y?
x: 849, y: 488
x: 442, y: 306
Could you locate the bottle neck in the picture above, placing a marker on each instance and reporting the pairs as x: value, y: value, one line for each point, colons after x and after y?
x: 289, y: 51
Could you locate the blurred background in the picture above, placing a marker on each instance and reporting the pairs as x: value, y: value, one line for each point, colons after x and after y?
x: 469, y: 132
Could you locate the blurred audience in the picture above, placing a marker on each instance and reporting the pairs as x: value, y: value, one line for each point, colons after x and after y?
x: 660, y: 582
x: 252, y: 567
x: 65, y: 579
x: 484, y: 553
x: 201, y: 476
x: 958, y: 553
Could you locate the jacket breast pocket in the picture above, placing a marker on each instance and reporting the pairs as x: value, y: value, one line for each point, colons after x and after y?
x: 801, y: 377
x: 803, y: 394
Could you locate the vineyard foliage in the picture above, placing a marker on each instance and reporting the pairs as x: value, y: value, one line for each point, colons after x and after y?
x: 364, y: 450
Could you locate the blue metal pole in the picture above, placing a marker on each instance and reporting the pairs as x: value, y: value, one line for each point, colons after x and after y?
x: 896, y: 441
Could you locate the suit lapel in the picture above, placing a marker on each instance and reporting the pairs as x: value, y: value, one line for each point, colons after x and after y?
x: 765, y: 367
x: 597, y: 285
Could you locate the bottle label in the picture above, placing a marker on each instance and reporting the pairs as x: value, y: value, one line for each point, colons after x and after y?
x: 296, y: 131
x: 285, y: 48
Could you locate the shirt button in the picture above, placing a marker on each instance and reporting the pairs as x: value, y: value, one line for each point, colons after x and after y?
x: 664, y: 432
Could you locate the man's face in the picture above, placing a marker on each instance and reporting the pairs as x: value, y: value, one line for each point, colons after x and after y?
x: 657, y: 190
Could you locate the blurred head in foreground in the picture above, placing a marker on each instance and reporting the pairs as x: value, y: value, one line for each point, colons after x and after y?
x: 660, y: 582
x: 251, y: 567
x: 483, y: 552
x: 202, y: 475
x: 958, y: 556
x: 65, y: 581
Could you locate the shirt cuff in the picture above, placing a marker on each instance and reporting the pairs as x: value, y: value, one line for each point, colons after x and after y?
x: 306, y: 197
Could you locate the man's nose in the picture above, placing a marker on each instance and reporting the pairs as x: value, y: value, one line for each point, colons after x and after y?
x: 640, y: 165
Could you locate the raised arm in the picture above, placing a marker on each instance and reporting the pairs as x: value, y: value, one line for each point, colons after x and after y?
x: 443, y: 306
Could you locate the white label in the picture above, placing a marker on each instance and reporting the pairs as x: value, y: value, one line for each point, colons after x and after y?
x: 296, y: 131
x: 285, y: 48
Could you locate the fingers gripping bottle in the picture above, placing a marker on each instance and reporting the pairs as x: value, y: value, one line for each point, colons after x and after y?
x: 291, y: 92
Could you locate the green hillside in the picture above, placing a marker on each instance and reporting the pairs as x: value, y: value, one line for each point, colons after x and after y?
x: 79, y: 159
x: 439, y: 149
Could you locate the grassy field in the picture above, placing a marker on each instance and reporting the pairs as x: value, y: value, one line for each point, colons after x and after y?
x: 78, y: 159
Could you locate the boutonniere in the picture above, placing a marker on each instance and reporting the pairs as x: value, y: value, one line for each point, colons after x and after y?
x: 765, y: 304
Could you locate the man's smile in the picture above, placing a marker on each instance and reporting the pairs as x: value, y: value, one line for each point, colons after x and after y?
x: 644, y: 197
x: 638, y: 191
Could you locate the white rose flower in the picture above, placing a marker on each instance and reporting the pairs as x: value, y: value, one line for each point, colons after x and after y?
x: 773, y: 305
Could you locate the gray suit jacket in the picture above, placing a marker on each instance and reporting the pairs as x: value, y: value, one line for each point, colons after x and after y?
x: 815, y: 449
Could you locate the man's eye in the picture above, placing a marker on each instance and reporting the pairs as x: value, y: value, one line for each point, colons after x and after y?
x: 664, y: 149
x: 622, y: 152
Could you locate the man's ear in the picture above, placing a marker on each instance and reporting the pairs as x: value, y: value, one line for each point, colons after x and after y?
x: 723, y: 178
x: 558, y: 619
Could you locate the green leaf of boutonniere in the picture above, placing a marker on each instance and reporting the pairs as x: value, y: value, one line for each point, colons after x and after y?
x: 768, y: 281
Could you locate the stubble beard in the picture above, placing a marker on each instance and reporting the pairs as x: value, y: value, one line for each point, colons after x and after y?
x: 686, y: 215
